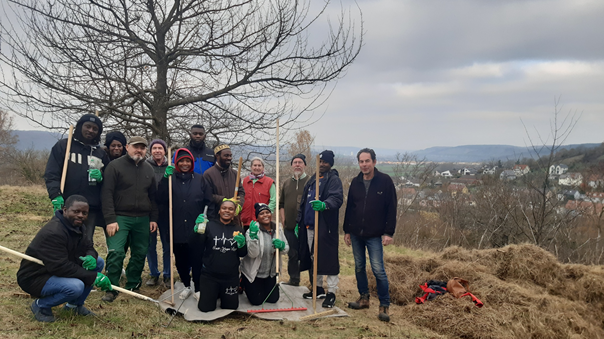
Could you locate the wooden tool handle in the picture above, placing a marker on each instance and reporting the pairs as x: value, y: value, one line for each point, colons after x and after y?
x: 171, y: 228
x: 277, y: 204
x: 66, y: 160
x: 238, y: 178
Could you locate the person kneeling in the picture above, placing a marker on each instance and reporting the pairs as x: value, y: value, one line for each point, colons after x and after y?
x: 71, y: 264
x: 259, y: 266
x: 221, y: 243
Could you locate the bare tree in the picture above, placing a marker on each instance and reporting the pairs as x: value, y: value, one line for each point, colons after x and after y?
x: 234, y: 66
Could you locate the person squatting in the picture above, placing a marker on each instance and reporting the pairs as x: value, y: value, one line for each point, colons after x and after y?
x: 225, y: 239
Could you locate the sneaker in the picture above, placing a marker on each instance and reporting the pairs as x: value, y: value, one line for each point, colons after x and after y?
x: 109, y: 296
x: 196, y: 296
x: 362, y: 302
x: 152, y: 281
x: 42, y: 314
x: 186, y: 292
x: 78, y: 310
x: 383, y: 315
x: 330, y: 300
x: 320, y: 294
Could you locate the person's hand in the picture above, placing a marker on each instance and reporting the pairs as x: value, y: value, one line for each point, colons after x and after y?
x: 102, y: 282
x: 240, y: 239
x: 96, y: 174
x: 318, y: 205
x: 279, y: 244
x: 169, y: 171
x: 296, y: 230
x: 254, y: 228
x: 152, y: 226
x: 347, y: 239
x: 387, y: 240
x: 112, y: 229
x: 89, y: 262
x: 57, y: 203
x: 200, y: 219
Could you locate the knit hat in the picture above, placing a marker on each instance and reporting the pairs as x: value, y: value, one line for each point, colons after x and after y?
x: 85, y: 118
x: 327, y: 156
x: 259, y: 207
x: 115, y: 135
x: 183, y: 153
x: 161, y: 142
x: 299, y: 156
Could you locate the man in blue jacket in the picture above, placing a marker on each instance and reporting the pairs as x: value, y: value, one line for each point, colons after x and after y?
x: 369, y: 222
x: 203, y: 155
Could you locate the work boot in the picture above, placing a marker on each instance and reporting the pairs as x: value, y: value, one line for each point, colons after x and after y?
x: 362, y: 302
x: 330, y: 300
x: 320, y: 293
x: 166, y: 282
x: 109, y: 296
x: 42, y: 314
x: 383, y: 316
x: 78, y: 310
x: 152, y: 281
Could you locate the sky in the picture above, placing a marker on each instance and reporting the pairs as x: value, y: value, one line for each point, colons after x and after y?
x: 462, y: 72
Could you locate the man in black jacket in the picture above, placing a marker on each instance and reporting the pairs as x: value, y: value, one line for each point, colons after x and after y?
x: 130, y: 210
x: 71, y: 265
x: 369, y: 223
x: 84, y: 169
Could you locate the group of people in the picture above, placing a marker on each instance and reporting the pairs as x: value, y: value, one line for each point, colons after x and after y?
x: 225, y: 236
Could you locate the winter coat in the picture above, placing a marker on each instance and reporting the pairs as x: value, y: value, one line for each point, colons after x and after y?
x: 59, y: 245
x: 77, y: 171
x: 289, y: 200
x: 258, y: 191
x: 371, y: 214
x: 204, y: 157
x: 222, y: 183
x: 331, y: 193
x: 255, y: 250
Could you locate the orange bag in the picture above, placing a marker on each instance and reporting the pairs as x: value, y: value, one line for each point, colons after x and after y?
x: 459, y: 288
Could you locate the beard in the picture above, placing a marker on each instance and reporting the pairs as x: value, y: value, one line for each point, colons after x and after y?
x: 298, y: 173
x: 136, y: 157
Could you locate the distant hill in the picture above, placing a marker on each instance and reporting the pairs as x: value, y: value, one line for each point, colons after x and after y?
x: 38, y: 140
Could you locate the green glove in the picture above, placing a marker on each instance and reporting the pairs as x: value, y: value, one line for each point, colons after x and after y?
x: 96, y: 174
x: 200, y: 220
x: 296, y: 230
x: 169, y: 171
x: 240, y: 239
x: 102, y: 282
x: 279, y: 244
x: 318, y: 205
x: 89, y: 262
x: 254, y: 229
x: 57, y: 203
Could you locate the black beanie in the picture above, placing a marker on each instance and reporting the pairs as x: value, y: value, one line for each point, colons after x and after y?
x: 299, y: 156
x: 327, y: 156
x: 77, y: 133
x: 259, y: 207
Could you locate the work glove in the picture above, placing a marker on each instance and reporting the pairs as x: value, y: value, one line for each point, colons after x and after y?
x: 254, y: 229
x: 318, y: 205
x: 296, y: 230
x: 102, y: 282
x: 240, y: 239
x: 169, y: 171
x: 279, y: 244
x: 200, y: 220
x: 95, y: 174
x: 89, y: 262
x: 57, y: 203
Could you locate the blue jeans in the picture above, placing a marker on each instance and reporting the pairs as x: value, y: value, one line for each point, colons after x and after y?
x: 58, y: 290
x: 376, y: 259
x: 152, y: 253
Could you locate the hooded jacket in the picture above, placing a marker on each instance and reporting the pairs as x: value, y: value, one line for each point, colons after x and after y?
x: 190, y: 195
x: 255, y: 250
x: 59, y: 245
x: 203, y: 155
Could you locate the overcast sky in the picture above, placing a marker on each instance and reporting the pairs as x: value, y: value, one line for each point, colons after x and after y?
x: 459, y: 72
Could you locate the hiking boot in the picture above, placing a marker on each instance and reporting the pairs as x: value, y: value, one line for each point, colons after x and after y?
x: 362, y: 302
x: 42, y: 314
x: 383, y: 316
x: 109, y: 296
x: 320, y: 294
x: 152, y: 281
x: 166, y: 282
x: 330, y: 300
x: 78, y: 310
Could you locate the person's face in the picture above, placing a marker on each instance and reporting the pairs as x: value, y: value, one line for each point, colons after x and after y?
x: 136, y: 151
x: 115, y: 149
x: 257, y: 167
x: 227, y: 211
x: 324, y: 167
x: 298, y: 167
x: 264, y: 217
x: 90, y: 130
x: 225, y: 158
x: 197, y: 134
x: 77, y: 213
x: 366, y: 164
x: 157, y: 152
x: 184, y: 165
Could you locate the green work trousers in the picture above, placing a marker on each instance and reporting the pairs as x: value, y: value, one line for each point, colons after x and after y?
x: 135, y: 232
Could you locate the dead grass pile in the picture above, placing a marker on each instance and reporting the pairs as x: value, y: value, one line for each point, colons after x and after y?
x: 526, y: 293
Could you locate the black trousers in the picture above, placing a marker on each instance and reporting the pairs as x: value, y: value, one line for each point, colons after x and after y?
x: 293, y: 262
x: 182, y: 256
x: 212, y: 288
x: 195, y: 254
x: 258, y: 290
